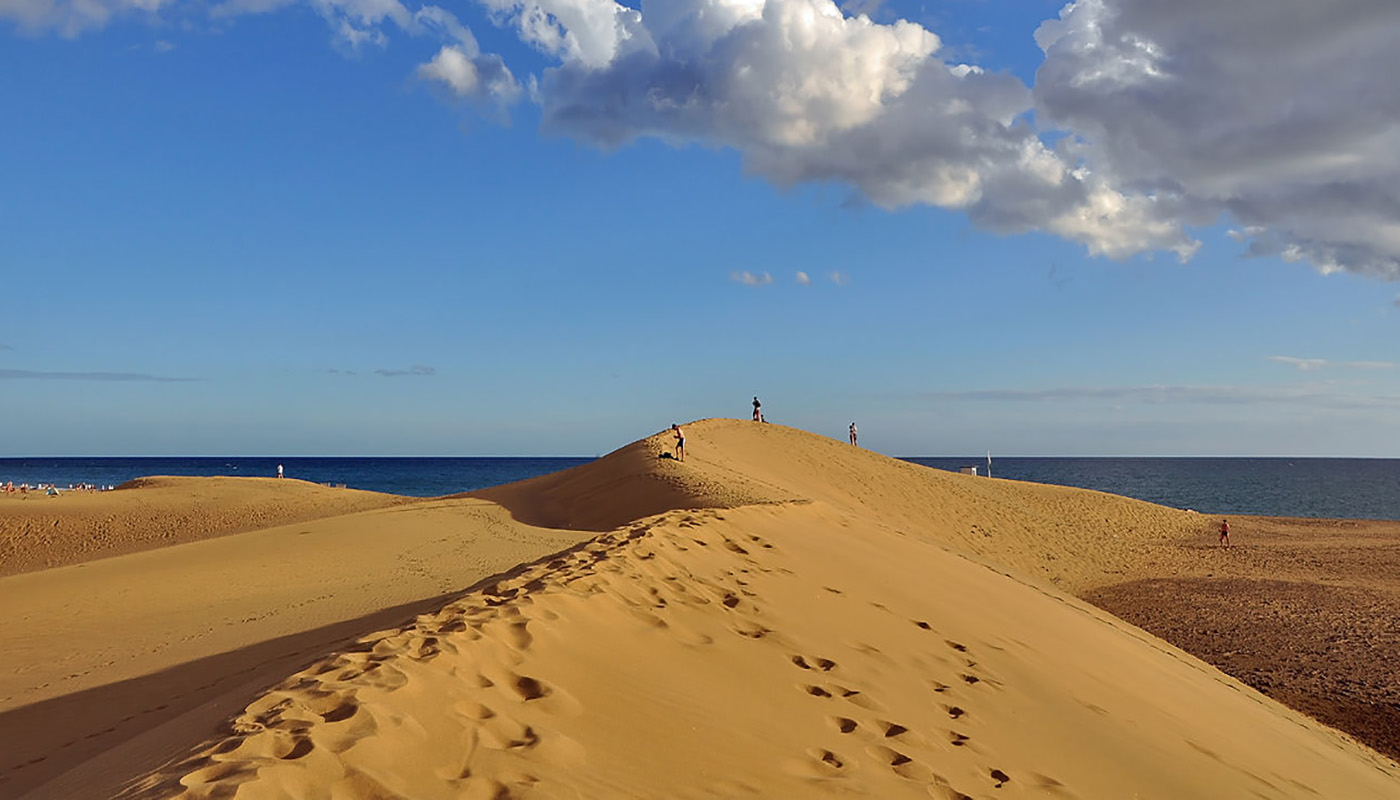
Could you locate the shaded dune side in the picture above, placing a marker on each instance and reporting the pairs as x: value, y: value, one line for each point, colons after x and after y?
x: 45, y: 532
x: 1075, y: 538
x: 630, y: 483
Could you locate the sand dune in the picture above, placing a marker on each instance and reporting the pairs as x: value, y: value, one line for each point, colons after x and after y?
x: 144, y: 651
x: 1071, y: 537
x: 39, y: 532
x: 781, y: 615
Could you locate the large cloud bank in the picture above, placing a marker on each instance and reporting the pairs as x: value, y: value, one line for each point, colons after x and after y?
x: 1280, y: 117
x: 1283, y: 113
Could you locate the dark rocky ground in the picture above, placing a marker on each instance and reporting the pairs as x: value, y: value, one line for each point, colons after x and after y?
x: 1305, y: 611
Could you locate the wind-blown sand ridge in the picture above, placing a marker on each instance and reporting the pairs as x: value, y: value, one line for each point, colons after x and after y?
x: 782, y: 615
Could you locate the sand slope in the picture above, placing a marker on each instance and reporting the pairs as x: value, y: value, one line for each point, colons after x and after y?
x: 806, y: 619
x: 146, y: 652
x: 40, y: 532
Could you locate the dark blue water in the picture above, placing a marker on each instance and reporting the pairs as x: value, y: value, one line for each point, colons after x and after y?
x: 1352, y: 488
x: 416, y: 477
x: 1355, y: 488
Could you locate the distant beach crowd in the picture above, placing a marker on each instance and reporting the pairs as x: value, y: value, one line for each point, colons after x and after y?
x: 50, y: 489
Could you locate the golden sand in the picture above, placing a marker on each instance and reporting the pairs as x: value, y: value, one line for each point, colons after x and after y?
x: 781, y: 615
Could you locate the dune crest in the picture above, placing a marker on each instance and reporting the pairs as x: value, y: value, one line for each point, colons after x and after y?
x: 1074, y: 538
x: 806, y: 620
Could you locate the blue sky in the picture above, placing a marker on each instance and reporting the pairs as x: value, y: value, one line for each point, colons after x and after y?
x: 363, y: 227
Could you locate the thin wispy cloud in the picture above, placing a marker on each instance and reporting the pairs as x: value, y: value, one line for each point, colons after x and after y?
x: 1313, y: 364
x: 1313, y: 395
x: 840, y: 278
x: 1304, y: 364
x: 334, y: 371
x: 751, y: 279
x: 803, y: 279
x: 417, y: 370
x: 32, y: 375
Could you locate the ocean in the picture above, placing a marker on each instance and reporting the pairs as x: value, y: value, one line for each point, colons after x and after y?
x: 415, y: 477
x: 1349, y: 488
x: 1357, y: 488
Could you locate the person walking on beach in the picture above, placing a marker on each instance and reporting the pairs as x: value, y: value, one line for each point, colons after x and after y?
x: 757, y: 410
x: 1224, y: 533
x: 279, y: 470
x: 853, y: 434
x: 680, y: 441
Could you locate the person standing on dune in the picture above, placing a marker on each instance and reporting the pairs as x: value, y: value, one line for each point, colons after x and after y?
x: 1225, y: 533
x: 757, y: 410
x: 680, y: 441
x: 853, y: 433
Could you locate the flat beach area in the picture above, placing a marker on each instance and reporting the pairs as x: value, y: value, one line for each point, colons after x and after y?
x: 780, y: 615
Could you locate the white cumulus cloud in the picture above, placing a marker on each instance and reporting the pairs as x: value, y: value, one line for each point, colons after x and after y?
x: 468, y: 73
x: 807, y: 93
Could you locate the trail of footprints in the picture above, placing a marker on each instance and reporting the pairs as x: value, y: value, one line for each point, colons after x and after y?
x: 481, y: 642
x: 885, y: 742
x: 473, y: 647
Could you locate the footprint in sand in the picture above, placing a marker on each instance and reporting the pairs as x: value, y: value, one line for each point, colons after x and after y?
x: 941, y: 790
x: 474, y: 710
x: 891, y: 729
x: 502, y: 733
x: 819, y: 763
x: 524, y: 688
x: 514, y: 634
x: 857, y: 698
x: 751, y: 630
x: 823, y: 664
x: 345, y: 710
x: 833, y: 691
x: 844, y: 724
x: 899, y: 763
x: 382, y: 676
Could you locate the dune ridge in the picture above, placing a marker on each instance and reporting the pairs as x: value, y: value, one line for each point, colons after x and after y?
x: 1074, y: 538
x: 784, y: 616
